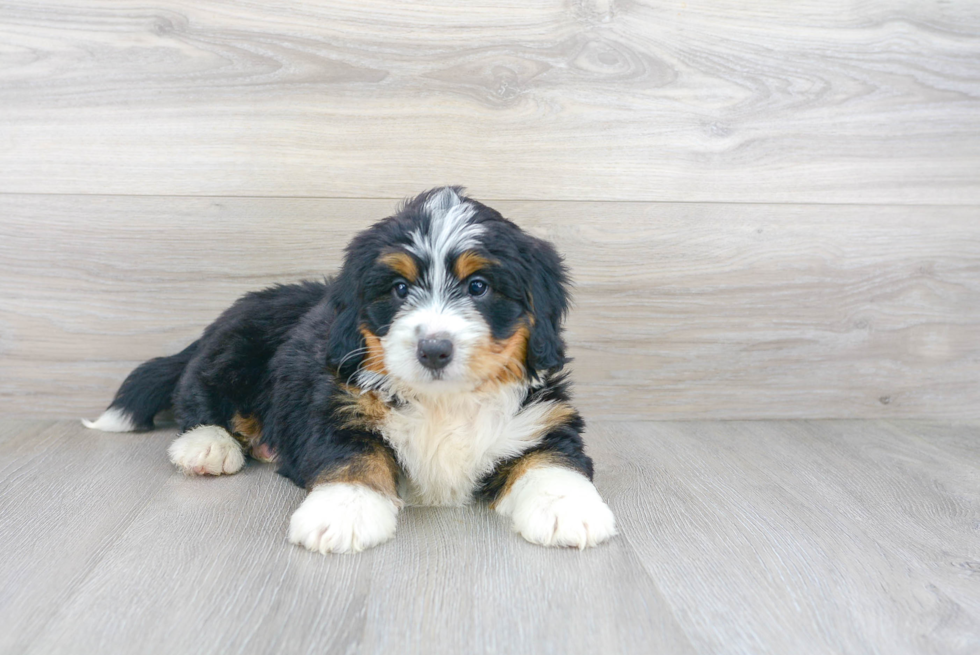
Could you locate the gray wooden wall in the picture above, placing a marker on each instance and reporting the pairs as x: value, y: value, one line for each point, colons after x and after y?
x: 770, y: 209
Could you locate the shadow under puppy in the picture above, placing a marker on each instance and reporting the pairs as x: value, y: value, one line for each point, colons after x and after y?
x: 429, y: 371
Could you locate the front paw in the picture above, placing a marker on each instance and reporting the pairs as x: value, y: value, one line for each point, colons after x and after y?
x: 555, y: 506
x: 343, y: 518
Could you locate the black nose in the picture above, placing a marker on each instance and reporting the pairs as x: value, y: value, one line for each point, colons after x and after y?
x: 435, y: 353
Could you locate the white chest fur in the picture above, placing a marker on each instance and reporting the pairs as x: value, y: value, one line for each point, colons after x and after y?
x: 446, y: 444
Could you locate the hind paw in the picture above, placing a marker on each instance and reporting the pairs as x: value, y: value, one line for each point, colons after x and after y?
x: 207, y: 450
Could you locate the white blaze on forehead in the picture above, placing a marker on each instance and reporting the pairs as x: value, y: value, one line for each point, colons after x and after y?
x: 450, y: 232
x: 431, y: 308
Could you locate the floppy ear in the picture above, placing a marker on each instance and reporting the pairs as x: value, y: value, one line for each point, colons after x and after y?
x: 548, y: 306
x: 345, y: 343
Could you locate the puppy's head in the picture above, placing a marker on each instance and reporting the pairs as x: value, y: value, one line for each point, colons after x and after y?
x: 447, y: 296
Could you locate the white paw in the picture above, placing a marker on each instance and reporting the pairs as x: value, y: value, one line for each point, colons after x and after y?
x: 207, y: 450
x: 343, y: 518
x: 556, y: 506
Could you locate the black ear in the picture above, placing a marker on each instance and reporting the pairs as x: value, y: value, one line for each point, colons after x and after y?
x: 345, y: 345
x: 548, y: 305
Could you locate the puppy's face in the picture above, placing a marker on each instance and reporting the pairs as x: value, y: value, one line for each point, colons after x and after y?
x: 448, y: 297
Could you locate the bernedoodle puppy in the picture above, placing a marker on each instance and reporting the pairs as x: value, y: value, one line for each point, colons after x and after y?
x: 429, y: 372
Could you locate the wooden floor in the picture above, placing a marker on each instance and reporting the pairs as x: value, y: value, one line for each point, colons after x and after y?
x: 736, y: 537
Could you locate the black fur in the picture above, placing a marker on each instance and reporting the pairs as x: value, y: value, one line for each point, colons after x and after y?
x: 147, y: 390
x: 229, y: 373
x: 283, y: 355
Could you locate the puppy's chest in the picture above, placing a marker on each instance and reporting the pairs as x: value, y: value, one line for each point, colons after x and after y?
x: 445, y: 446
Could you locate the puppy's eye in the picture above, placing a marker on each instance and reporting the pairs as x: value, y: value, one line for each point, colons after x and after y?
x: 400, y: 289
x: 478, y: 287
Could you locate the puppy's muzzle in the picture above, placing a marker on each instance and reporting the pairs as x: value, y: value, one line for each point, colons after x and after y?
x: 435, y: 354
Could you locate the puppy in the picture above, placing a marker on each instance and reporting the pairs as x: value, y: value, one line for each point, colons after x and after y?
x: 429, y: 372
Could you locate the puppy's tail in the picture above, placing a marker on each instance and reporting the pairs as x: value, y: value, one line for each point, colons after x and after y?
x: 144, y: 393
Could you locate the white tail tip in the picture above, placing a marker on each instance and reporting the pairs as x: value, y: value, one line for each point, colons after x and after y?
x: 112, y: 420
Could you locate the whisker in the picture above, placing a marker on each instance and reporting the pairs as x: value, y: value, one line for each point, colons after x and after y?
x: 371, y: 359
x: 356, y: 351
x: 367, y: 361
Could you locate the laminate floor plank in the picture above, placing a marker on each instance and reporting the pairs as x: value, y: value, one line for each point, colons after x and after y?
x: 952, y: 448
x: 66, y: 495
x: 222, y: 578
x: 917, y: 503
x: 21, y: 431
x: 464, y: 568
x: 748, y: 531
x: 735, y: 537
x: 206, y: 569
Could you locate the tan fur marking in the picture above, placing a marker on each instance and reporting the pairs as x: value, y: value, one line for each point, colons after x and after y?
x: 559, y: 415
x: 375, y: 358
x: 522, y: 466
x: 376, y: 469
x: 501, y: 361
x: 402, y: 263
x: 364, y: 410
x: 469, y: 263
x: 247, y: 426
x: 247, y: 430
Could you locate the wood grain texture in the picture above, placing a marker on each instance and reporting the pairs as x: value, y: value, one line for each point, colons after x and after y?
x: 752, y: 526
x: 769, y: 101
x: 736, y: 537
x: 65, y: 497
x: 205, y: 568
x: 682, y: 310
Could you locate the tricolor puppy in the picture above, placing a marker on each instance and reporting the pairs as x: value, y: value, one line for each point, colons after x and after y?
x: 429, y: 372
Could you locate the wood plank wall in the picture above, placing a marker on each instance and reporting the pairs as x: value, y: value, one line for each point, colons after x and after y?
x: 770, y: 210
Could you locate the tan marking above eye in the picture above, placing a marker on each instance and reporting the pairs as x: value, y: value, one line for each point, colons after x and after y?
x: 469, y: 263
x: 402, y: 263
